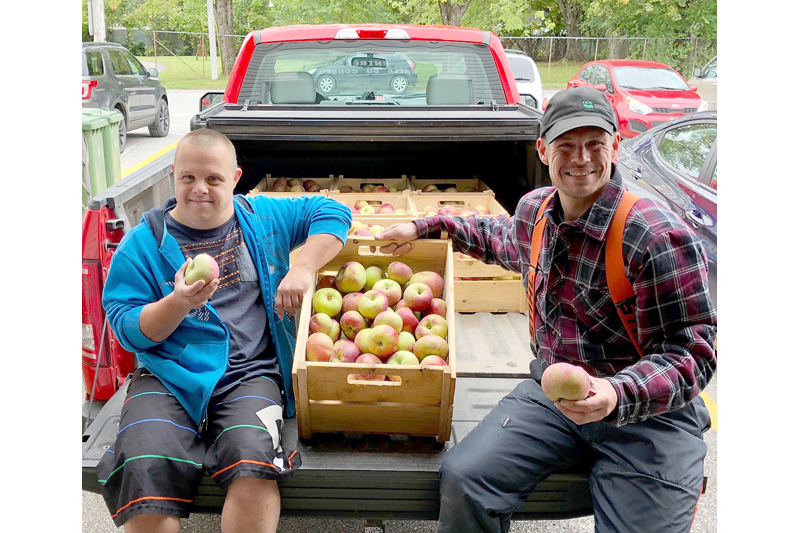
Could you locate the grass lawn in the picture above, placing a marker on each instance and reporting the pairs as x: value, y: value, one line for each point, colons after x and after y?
x: 190, y: 72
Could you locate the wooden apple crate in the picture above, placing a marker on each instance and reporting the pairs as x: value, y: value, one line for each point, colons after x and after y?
x: 401, y: 184
x: 265, y: 187
x: 418, y: 403
x: 458, y: 200
x: 442, y: 183
x: 376, y: 199
x: 486, y: 295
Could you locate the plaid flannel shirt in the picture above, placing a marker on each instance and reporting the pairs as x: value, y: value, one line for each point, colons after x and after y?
x: 576, y: 320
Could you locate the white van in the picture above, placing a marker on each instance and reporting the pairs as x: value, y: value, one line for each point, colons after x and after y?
x: 529, y: 83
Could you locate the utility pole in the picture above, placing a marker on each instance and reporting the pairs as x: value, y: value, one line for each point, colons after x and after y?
x: 97, y: 19
x: 212, y: 39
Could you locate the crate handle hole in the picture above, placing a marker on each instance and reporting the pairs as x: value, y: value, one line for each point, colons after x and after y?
x: 393, y: 381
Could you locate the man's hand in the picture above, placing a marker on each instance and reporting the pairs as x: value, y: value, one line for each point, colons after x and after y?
x: 601, y: 402
x: 192, y: 296
x: 402, y: 234
x: 289, y: 297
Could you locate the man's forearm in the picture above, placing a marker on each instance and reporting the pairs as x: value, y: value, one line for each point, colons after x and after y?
x: 159, y: 319
x: 317, y: 252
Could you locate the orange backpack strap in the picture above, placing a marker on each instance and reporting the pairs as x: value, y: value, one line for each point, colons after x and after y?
x: 618, y: 285
x: 536, y: 247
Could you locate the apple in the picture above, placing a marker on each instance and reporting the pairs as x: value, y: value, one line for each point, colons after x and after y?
x: 362, y: 232
x: 433, y: 360
x: 280, y: 181
x: 431, y: 345
x: 451, y: 189
x: 307, y: 184
x: 447, y: 210
x: 386, y: 209
x: 297, y: 188
x: 431, y: 279
x: 390, y: 318
x: 372, y: 303
x: 430, y: 188
x: 400, y: 211
x: 368, y: 359
x: 437, y: 307
x: 204, y: 267
x: 295, y: 181
x: 327, y: 300
x: 366, y: 210
x: 481, y: 209
x: 351, y: 277
x: 323, y: 323
x: 383, y: 341
x: 369, y: 187
x: 418, y: 296
x: 375, y: 229
x: 410, y: 320
x: 361, y: 339
x: 402, y: 357
x: 326, y: 281
x: 350, y: 301
x: 389, y: 287
x: 319, y: 347
x: 374, y: 274
x: 347, y: 188
x: 431, y: 325
x: 351, y: 323
x: 399, y: 272
x: 344, y: 351
x: 563, y: 381
x: 382, y: 188
x: 406, y: 341
x: 360, y: 203
x: 356, y: 225
x: 278, y: 187
x: 393, y: 189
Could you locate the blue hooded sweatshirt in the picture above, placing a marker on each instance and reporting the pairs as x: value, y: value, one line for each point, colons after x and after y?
x: 194, y: 357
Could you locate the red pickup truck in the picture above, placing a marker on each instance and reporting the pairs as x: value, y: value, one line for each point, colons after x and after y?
x: 361, y: 101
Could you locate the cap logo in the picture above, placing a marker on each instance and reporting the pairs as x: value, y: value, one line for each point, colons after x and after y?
x: 588, y: 106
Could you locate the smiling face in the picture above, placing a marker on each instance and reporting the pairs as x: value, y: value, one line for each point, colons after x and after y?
x: 205, y: 175
x: 579, y: 162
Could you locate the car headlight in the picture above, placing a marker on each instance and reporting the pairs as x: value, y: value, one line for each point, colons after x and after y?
x: 637, y: 107
x: 312, y: 70
x: 703, y: 106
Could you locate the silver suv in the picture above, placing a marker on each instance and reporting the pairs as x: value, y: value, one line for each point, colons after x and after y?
x: 114, y: 79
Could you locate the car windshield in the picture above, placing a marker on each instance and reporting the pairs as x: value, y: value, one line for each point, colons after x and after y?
x: 649, y: 78
x: 522, y: 68
x: 372, y: 72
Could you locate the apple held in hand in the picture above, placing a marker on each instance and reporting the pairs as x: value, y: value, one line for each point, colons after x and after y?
x: 563, y: 381
x: 204, y: 267
x: 328, y: 301
x: 344, y: 351
x: 431, y: 345
x: 351, y: 277
x: 431, y: 325
x: 319, y: 347
x: 417, y: 296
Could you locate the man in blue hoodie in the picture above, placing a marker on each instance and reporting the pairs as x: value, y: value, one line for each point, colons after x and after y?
x: 213, y: 381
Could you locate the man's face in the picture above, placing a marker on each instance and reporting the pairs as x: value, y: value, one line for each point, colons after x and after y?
x: 580, y: 161
x: 205, y: 177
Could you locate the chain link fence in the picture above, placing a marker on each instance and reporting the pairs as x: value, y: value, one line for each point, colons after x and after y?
x: 684, y: 55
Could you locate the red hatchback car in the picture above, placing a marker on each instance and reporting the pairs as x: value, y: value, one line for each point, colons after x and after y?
x: 643, y: 93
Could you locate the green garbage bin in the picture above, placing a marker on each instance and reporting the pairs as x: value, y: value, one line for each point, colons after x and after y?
x: 94, y: 156
x: 111, y: 143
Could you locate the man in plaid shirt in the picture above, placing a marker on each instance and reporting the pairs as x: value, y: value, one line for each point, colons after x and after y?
x: 641, y: 427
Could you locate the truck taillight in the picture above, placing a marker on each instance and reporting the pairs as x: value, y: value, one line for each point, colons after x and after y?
x: 94, y: 343
x: 352, y: 33
x: 88, y: 85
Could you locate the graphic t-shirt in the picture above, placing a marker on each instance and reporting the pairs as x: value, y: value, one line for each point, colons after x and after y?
x: 237, y: 300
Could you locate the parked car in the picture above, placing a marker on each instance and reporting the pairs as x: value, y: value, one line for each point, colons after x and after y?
x: 526, y: 74
x: 643, y: 93
x: 706, y: 81
x: 366, y: 71
x: 676, y: 164
x: 114, y: 79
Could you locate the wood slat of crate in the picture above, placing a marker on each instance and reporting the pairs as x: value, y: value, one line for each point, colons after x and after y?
x: 458, y: 200
x: 401, y: 184
x: 397, y: 200
x: 420, y: 404
x: 486, y: 295
x: 460, y: 184
x: 265, y: 187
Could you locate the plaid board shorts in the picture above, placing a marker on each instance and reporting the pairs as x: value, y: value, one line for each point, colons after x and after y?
x: 161, y: 455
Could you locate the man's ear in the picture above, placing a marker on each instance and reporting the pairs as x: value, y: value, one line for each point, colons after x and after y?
x: 541, y: 147
x: 615, y: 145
x: 237, y: 175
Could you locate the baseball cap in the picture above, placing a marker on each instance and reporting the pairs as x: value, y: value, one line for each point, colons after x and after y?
x: 575, y: 108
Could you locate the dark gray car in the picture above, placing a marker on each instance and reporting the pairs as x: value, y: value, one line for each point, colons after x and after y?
x: 114, y: 79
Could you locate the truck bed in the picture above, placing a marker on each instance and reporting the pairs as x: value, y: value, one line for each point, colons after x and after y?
x: 392, y: 477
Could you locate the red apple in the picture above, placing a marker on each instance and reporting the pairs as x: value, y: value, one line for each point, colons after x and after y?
x: 418, y: 296
x: 563, y: 381
x: 390, y: 318
x: 202, y: 266
x: 369, y: 359
x: 433, y: 360
x: 351, y: 277
x: 383, y: 341
x: 319, y: 347
x: 372, y: 303
x: 323, y: 323
x: 399, y: 272
x: 361, y: 339
x: 390, y: 288
x: 386, y: 209
x: 344, y: 351
x: 351, y: 323
x: 410, y: 320
x: 437, y: 307
x: 350, y: 301
x: 431, y: 279
x: 431, y: 345
x: 326, y: 282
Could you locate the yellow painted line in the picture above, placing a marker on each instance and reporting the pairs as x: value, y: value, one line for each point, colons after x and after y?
x: 149, y: 159
x: 711, y: 405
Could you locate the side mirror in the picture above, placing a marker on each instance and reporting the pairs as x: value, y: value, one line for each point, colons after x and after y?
x: 152, y: 72
x: 210, y: 98
x: 697, y: 72
x: 693, y: 87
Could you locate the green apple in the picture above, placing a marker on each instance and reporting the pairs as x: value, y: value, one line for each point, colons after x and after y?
x: 328, y: 301
x: 374, y: 274
x: 402, y: 357
x: 563, y: 381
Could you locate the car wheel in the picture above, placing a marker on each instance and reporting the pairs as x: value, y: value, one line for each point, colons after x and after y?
x: 123, y: 131
x: 160, y: 128
x: 399, y: 84
x: 326, y: 83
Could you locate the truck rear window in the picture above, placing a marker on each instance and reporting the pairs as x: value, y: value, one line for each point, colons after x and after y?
x: 372, y: 72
